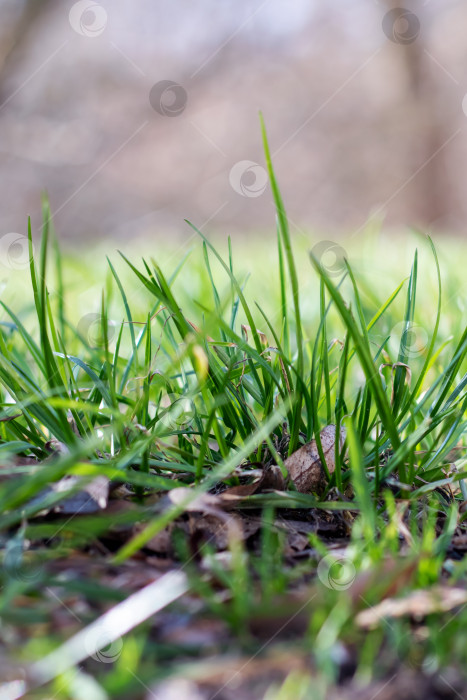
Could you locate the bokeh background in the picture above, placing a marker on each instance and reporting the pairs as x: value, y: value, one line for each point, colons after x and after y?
x: 135, y: 116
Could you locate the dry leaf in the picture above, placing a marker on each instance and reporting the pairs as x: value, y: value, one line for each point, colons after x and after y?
x: 459, y: 542
x: 160, y: 543
x: 417, y: 604
x: 227, y: 676
x: 304, y: 465
x: 270, y: 478
x: 217, y: 523
x: 262, y: 336
x: 175, y: 688
x: 385, y: 580
x: 219, y: 531
x: 92, y: 498
x: 55, y: 446
x: 203, y: 502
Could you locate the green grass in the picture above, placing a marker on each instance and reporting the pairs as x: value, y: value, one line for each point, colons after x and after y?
x: 190, y: 374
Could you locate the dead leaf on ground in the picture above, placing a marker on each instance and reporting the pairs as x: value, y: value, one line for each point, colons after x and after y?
x: 304, y: 465
x: 215, y: 528
x: 183, y: 495
x: 209, y: 528
x: 459, y: 542
x: 405, y: 684
x: 191, y: 630
x: 160, y: 543
x: 271, y: 478
x: 297, y: 534
x: 56, y: 447
x: 7, y: 467
x: 92, y: 498
x: 231, y: 677
x: 417, y: 604
x: 385, y: 580
x: 207, y: 521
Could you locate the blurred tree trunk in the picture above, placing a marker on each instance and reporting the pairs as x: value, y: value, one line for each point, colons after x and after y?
x: 430, y: 193
x: 18, y: 35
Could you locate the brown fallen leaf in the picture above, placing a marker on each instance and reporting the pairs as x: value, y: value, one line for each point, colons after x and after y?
x: 304, y: 465
x: 56, y: 447
x: 160, y: 543
x: 417, y: 604
x: 229, y: 676
x: 207, y: 509
x: 8, y: 466
x: 215, y: 527
x: 459, y: 542
x: 183, y: 496
x: 92, y: 498
x: 190, y: 630
x: 207, y: 518
x: 270, y: 478
x: 385, y: 580
x: 405, y: 684
x: 219, y: 531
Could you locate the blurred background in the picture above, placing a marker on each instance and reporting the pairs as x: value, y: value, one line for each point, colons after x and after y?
x: 135, y: 116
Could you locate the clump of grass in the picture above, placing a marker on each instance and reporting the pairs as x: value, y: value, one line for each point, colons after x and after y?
x: 184, y: 390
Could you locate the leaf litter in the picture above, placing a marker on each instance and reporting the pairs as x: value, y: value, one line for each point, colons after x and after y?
x: 217, y: 519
